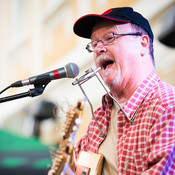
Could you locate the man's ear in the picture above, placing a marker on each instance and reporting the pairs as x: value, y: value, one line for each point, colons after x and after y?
x: 144, y: 44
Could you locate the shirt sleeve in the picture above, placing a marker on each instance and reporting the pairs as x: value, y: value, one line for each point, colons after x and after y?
x: 161, y: 145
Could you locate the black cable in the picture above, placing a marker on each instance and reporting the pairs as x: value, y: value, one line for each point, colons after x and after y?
x: 5, y: 89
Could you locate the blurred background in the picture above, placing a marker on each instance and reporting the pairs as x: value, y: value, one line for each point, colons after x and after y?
x: 36, y: 36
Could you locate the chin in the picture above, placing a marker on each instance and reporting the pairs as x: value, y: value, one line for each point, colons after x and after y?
x: 113, y: 83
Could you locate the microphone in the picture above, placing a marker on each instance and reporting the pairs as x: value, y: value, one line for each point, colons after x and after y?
x: 71, y: 70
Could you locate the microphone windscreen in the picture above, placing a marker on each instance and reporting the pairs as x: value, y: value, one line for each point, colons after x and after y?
x: 72, y: 70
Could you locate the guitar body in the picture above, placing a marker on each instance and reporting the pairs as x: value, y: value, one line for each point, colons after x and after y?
x: 89, y: 164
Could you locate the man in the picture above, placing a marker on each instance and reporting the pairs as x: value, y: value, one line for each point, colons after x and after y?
x: 140, y: 140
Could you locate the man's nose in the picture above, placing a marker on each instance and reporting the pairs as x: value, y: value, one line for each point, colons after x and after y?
x: 100, y: 47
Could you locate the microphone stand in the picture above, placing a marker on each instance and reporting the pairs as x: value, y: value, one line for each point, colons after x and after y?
x: 38, y: 90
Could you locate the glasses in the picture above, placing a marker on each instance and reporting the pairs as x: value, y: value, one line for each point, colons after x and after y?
x: 107, y: 39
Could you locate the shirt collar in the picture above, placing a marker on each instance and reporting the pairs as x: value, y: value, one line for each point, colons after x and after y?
x: 140, y: 94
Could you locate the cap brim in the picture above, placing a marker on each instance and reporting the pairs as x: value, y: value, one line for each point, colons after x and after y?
x: 83, y: 26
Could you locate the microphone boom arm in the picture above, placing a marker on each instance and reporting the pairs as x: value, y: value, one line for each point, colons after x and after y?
x: 38, y: 90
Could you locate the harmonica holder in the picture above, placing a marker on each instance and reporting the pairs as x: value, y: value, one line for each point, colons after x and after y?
x: 89, y: 74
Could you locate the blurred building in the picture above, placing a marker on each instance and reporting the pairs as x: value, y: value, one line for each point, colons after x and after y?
x: 37, y: 36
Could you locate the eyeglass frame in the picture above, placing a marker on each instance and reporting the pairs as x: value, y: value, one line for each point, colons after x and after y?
x: 121, y: 34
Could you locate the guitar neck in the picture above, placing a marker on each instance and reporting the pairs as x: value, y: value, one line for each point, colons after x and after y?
x: 65, y: 151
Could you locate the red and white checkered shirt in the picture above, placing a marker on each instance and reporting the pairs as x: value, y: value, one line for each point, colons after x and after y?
x: 146, y: 142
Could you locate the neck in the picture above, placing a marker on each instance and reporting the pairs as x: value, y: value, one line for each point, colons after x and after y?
x: 125, y: 91
x: 122, y: 95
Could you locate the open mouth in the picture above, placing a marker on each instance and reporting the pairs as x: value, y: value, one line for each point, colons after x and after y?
x: 106, y: 64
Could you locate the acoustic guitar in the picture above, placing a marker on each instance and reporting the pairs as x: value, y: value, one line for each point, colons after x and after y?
x: 64, y: 154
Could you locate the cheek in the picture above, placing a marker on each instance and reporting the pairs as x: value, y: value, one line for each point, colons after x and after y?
x: 95, y: 59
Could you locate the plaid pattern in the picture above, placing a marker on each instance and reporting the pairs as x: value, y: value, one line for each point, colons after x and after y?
x: 146, y: 147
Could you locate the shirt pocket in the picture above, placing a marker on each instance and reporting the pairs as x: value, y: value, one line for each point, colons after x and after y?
x: 132, y: 162
x: 140, y: 161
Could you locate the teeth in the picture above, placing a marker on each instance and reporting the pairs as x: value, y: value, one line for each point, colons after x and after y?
x: 104, y: 60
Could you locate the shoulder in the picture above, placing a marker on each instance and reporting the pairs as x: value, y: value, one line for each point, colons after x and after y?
x: 165, y: 93
x: 161, y: 98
